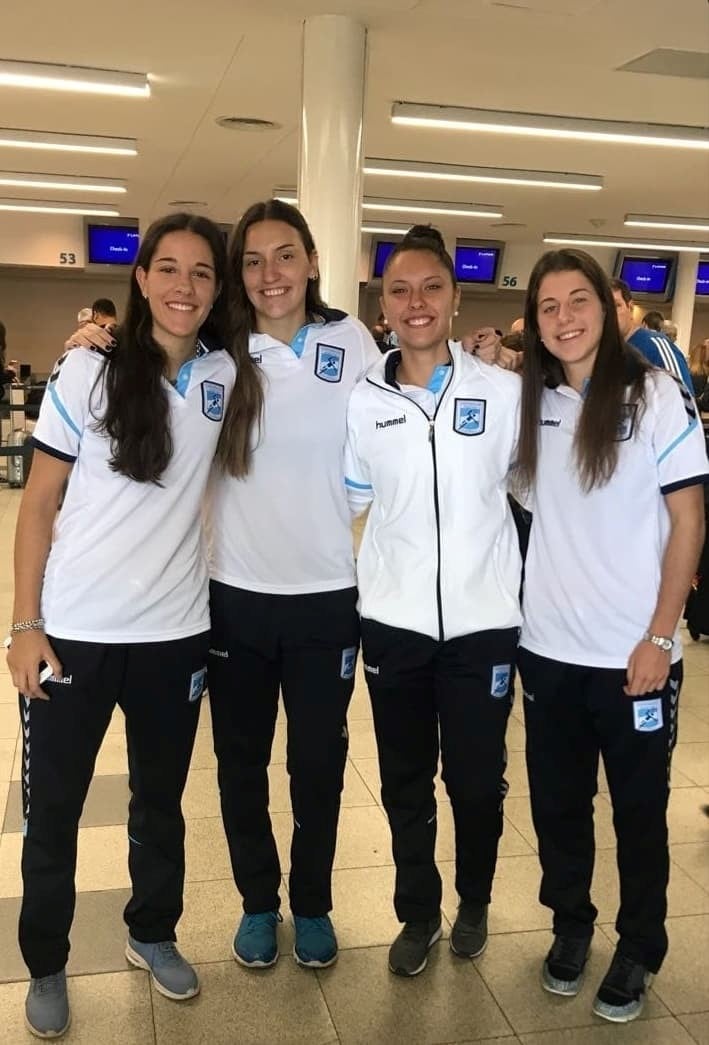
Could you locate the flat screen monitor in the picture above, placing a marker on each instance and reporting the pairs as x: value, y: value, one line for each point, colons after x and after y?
x: 25, y: 371
x: 476, y: 264
x: 703, y: 278
x: 112, y: 244
x: 648, y: 275
x: 382, y: 250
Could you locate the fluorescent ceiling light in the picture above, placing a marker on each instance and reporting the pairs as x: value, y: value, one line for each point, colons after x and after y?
x: 537, y: 125
x: 390, y: 228
x: 20, y: 180
x: 50, y: 207
x: 73, y: 78
x: 611, y: 241
x: 53, y: 142
x: 491, y: 175
x: 658, y: 221
x: 469, y: 210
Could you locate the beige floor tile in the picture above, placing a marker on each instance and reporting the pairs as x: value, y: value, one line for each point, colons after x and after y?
x: 363, y: 910
x: 515, y: 737
x: 368, y: 769
x: 517, y: 811
x: 203, y: 756
x: 698, y: 1027
x: 692, y: 760
x: 117, y: 724
x: 516, y: 774
x: 693, y: 857
x: 8, y: 693
x: 283, y: 1004
x: 683, y: 983
x: 663, y: 1031
x: 201, y: 795
x: 9, y: 722
x: 7, y: 757
x: 684, y: 895
x: 115, y: 1007
x: 700, y: 712
x: 206, y: 852
x: 511, y: 844
x: 515, y: 906
x: 692, y: 726
x: 10, y: 878
x: 447, y: 1003
x: 112, y: 757
x: 695, y: 684
x: 360, y: 705
x: 4, y: 793
x: 106, y: 803
x: 511, y: 967
x: 363, y: 838
x: 355, y: 792
x: 102, y: 859
x: 685, y: 818
x: 362, y: 740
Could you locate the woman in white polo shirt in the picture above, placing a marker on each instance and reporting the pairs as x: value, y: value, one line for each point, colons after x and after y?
x: 282, y: 596
x: 614, y: 456
x: 431, y: 436
x: 112, y: 596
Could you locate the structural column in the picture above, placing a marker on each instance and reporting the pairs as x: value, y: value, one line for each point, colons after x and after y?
x: 330, y: 167
x: 685, y: 293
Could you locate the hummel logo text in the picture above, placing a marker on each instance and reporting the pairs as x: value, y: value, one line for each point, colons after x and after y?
x: 391, y: 421
x: 66, y: 681
x: 370, y: 669
x: 220, y: 653
x: 550, y: 422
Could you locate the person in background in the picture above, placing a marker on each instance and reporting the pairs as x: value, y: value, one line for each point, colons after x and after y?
x: 432, y: 434
x: 612, y: 457
x: 8, y: 373
x: 654, y: 345
x: 84, y: 316
x: 699, y: 370
x: 517, y: 326
x: 670, y: 330
x: 125, y: 619
x: 653, y: 321
x: 103, y: 313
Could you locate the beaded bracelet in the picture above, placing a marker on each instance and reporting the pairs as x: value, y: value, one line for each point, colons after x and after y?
x: 27, y: 625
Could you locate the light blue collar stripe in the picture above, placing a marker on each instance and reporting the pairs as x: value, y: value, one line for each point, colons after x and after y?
x: 680, y: 438
x: 357, y: 486
x: 298, y: 342
x: 61, y: 409
x: 183, y: 378
x: 438, y: 377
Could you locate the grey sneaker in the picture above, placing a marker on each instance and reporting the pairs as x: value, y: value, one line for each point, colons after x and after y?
x: 172, y: 975
x: 408, y: 954
x: 469, y: 934
x: 47, y: 1006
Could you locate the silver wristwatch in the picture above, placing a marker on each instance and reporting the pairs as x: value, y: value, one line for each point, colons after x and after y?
x: 661, y: 641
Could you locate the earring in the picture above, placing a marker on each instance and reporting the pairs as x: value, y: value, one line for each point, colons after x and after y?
x: 456, y: 312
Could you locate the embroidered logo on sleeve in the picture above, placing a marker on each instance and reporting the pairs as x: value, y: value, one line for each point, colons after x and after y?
x: 500, y: 681
x: 347, y: 664
x: 213, y: 400
x: 197, y: 683
x: 647, y: 715
x: 469, y: 416
x: 329, y: 361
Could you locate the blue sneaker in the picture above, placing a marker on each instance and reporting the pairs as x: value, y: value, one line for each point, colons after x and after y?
x: 47, y: 1006
x: 256, y: 943
x: 315, y: 942
x: 171, y: 974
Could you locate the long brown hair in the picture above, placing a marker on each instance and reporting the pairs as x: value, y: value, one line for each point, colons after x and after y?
x: 247, y: 410
x: 618, y: 377
x: 137, y: 415
x: 699, y: 358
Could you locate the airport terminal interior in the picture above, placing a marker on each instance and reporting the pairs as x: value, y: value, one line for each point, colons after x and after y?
x: 624, y: 176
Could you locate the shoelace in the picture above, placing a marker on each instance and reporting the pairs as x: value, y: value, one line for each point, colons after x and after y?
x: 315, y: 925
x: 169, y: 955
x: 566, y: 951
x: 257, y: 922
x: 49, y: 984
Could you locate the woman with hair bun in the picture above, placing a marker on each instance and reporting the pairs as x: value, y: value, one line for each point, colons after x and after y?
x: 432, y: 433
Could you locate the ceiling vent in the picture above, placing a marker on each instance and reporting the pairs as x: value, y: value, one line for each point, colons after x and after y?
x: 247, y: 123
x: 666, y: 62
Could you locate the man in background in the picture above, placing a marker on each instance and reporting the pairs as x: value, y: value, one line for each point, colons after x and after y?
x: 653, y: 344
x: 103, y: 313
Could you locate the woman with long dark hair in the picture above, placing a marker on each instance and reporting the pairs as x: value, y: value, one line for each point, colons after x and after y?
x: 283, y: 592
x: 613, y: 455
x: 432, y: 434
x: 111, y: 596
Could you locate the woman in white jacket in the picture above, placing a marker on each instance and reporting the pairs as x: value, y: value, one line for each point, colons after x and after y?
x: 431, y: 436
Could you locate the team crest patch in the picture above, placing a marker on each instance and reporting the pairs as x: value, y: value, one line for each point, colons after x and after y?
x: 329, y: 361
x: 197, y: 683
x: 647, y: 715
x: 213, y: 400
x: 626, y: 422
x: 500, y: 681
x: 469, y: 416
x: 347, y: 665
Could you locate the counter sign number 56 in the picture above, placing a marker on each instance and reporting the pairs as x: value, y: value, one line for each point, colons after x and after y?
x: 509, y: 281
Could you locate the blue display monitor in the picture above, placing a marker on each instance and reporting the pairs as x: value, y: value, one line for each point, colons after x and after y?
x: 703, y: 278
x: 382, y: 250
x: 648, y: 275
x: 112, y: 244
x: 476, y: 264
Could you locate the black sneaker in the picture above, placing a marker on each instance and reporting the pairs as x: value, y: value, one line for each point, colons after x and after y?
x: 469, y: 934
x: 621, y: 996
x: 564, y: 964
x: 409, y: 952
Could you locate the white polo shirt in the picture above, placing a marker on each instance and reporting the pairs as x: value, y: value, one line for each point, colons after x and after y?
x: 440, y: 554
x: 592, y: 574
x: 285, y: 528
x: 127, y: 562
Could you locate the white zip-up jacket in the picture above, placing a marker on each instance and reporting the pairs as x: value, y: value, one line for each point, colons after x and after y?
x: 440, y: 554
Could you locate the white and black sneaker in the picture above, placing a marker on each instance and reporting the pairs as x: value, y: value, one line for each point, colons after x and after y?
x: 408, y: 954
x: 621, y: 996
x: 564, y: 964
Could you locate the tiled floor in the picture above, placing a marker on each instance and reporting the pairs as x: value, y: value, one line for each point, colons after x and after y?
x: 357, y: 1002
